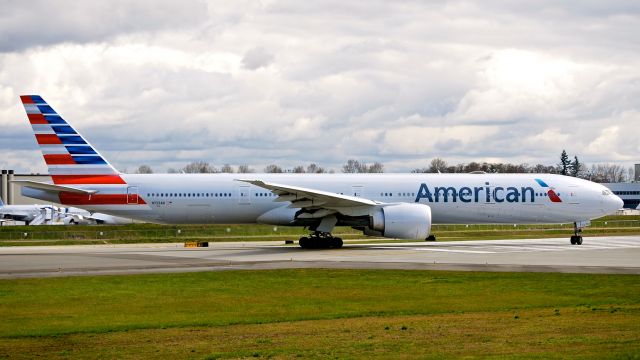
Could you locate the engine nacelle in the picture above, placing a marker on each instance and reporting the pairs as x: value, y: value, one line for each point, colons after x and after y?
x: 283, y: 215
x: 402, y: 221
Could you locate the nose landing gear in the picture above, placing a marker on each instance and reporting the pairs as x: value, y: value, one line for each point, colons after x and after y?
x: 320, y: 240
x: 576, y: 239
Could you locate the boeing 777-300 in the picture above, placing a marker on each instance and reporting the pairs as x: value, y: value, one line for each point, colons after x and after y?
x: 400, y: 206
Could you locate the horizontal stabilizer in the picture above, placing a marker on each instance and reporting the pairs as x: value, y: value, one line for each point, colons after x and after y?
x: 53, y: 188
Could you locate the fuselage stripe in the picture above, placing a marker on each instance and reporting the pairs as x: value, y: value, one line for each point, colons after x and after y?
x: 87, y: 179
x: 67, y: 198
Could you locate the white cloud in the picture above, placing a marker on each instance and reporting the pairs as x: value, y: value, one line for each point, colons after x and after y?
x: 297, y: 82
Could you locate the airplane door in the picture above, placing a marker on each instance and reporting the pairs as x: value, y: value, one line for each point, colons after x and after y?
x: 357, y: 190
x: 132, y: 195
x: 244, y: 195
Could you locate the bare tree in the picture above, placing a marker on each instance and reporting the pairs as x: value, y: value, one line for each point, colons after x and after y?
x: 298, y: 169
x: 273, y: 169
x: 607, y: 173
x: 226, y: 168
x: 244, y: 169
x: 315, y: 169
x: 355, y: 166
x: 352, y: 166
x: 172, y: 171
x: 437, y: 165
x: 199, y: 167
x: 376, y: 167
x: 144, y: 169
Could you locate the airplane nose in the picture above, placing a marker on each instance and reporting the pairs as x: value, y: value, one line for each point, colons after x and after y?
x: 616, y: 203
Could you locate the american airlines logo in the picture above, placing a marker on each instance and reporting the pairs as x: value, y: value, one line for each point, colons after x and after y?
x: 485, y: 193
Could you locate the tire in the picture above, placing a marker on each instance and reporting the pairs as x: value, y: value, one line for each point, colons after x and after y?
x: 573, y: 240
x: 579, y: 240
x: 337, y: 243
x: 304, y: 242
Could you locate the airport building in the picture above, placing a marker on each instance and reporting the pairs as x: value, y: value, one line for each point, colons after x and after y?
x: 628, y: 192
x: 10, y: 193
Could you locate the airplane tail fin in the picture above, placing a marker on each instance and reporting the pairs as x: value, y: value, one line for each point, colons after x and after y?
x: 69, y: 157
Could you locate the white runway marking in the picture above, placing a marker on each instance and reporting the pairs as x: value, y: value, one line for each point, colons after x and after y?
x: 459, y: 251
x: 487, y: 247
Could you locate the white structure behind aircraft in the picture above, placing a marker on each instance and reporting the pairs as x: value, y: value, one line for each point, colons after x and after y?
x: 50, y: 214
x: 390, y: 205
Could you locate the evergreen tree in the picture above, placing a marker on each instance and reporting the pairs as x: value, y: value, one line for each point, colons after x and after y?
x: 564, y: 163
x: 576, y: 167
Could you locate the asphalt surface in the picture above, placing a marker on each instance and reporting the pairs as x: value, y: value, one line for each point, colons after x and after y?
x: 618, y: 255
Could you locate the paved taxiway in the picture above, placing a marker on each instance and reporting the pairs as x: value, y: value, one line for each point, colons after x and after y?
x: 597, y: 255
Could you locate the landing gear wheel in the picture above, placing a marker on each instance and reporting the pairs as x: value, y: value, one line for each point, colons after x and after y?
x: 431, y: 238
x: 576, y: 239
x: 320, y: 240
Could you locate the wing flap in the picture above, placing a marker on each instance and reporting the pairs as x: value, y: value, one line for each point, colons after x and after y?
x: 301, y: 197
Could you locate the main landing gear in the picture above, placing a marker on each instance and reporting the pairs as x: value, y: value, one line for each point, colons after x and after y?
x: 576, y: 238
x: 320, y: 240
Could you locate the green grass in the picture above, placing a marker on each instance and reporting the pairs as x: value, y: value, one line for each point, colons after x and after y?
x: 322, y: 313
x: 151, y: 233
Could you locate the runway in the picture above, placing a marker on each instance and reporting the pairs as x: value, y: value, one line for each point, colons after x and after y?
x: 620, y: 255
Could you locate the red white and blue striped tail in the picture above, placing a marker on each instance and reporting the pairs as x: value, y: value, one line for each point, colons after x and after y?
x: 70, y: 158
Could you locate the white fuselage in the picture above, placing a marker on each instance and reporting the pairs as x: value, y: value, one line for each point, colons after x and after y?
x: 453, y: 198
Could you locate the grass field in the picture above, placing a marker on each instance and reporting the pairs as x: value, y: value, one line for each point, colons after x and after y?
x: 322, y: 314
x: 148, y: 233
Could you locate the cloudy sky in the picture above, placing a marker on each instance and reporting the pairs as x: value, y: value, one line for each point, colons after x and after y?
x: 165, y: 83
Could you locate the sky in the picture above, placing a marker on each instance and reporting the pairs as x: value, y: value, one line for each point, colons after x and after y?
x: 165, y: 83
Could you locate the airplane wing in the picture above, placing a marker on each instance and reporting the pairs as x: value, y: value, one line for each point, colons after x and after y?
x: 53, y: 188
x: 301, y: 197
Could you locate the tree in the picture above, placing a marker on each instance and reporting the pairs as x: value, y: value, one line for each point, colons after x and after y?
x: 244, y: 169
x: 226, y: 168
x: 273, y: 169
x: 607, y: 173
x: 352, y: 166
x: 144, y: 169
x: 564, y: 164
x: 355, y: 166
x: 298, y: 169
x: 437, y: 166
x: 576, y: 167
x: 199, y: 167
x: 376, y: 167
x: 315, y: 169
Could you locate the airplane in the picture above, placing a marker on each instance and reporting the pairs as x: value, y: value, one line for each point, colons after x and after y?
x: 25, y: 213
x: 41, y: 214
x: 402, y: 206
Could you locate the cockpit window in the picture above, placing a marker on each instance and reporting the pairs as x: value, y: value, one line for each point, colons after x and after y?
x: 606, y: 192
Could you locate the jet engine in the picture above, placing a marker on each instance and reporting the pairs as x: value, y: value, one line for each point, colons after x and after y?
x: 401, y: 221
